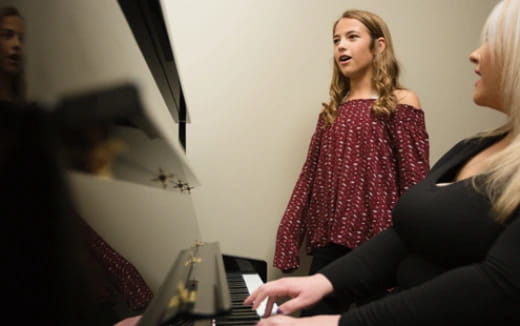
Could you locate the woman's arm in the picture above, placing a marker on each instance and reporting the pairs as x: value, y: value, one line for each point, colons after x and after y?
x: 368, y: 269
x: 486, y: 293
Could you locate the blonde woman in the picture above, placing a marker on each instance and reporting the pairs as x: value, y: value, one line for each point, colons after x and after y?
x: 370, y: 145
x: 454, y: 249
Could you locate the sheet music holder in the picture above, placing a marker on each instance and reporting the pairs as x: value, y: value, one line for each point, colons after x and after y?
x: 108, y: 144
x: 107, y: 132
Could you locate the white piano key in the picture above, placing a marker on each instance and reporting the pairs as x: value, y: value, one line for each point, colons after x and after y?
x: 253, y: 281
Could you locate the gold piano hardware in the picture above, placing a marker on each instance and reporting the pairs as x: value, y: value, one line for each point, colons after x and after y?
x: 174, y: 302
x: 198, y: 292
x: 193, y: 296
x: 183, y: 296
x: 199, y: 243
x: 192, y: 260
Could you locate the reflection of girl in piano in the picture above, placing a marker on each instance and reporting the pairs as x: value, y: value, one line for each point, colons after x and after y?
x: 12, y: 30
x: 370, y: 145
x: 52, y: 245
x: 454, y: 250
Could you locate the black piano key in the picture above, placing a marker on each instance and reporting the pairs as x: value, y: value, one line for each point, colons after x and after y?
x: 181, y: 323
x: 241, y: 317
x: 240, y: 314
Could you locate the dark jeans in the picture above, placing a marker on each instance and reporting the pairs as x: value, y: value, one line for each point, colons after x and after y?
x: 321, y: 257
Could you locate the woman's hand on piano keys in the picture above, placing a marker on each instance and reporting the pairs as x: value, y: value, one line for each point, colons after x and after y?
x: 304, y: 291
x: 132, y: 321
x: 280, y: 320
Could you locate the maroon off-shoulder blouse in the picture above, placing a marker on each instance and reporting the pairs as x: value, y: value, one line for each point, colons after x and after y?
x: 355, y: 171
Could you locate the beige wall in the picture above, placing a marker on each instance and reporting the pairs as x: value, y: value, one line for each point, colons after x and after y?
x: 254, y: 74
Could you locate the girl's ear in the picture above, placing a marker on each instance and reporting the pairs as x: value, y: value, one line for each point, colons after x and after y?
x: 380, y: 45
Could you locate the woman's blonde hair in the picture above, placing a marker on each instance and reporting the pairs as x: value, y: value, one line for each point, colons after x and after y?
x: 502, y: 34
x: 385, y: 69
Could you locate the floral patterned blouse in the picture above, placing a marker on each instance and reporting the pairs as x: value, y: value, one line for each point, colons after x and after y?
x: 356, y: 168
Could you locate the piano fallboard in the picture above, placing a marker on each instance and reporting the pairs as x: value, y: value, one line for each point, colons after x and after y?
x: 204, y: 287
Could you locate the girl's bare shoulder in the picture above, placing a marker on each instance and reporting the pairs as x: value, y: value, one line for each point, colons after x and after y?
x: 407, y: 97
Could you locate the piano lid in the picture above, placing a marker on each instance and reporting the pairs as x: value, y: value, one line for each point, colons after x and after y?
x: 146, y: 21
x: 107, y: 132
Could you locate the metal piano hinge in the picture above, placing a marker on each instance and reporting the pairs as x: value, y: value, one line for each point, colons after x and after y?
x: 192, y: 260
x: 184, y: 296
x: 163, y: 177
x: 199, y: 243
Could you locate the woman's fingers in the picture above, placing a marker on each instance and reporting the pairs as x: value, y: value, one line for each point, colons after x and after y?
x: 280, y: 320
x: 251, y: 298
x: 277, y: 321
x: 304, y: 292
x: 269, y: 306
x: 270, y: 289
x: 294, y: 305
x: 256, y: 297
x: 132, y: 321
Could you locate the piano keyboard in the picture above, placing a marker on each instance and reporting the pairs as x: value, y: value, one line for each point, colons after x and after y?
x: 240, y: 286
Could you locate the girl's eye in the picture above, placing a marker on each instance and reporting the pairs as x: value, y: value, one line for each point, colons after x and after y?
x: 335, y: 41
x: 7, y: 34
x: 352, y: 36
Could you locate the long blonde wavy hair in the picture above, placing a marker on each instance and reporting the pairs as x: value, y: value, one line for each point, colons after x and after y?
x: 502, y: 34
x: 385, y: 69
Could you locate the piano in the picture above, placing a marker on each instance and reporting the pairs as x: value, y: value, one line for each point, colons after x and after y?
x: 202, y: 286
x: 141, y: 159
x: 200, y: 289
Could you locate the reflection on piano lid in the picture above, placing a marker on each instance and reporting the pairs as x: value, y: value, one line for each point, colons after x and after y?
x: 145, y: 18
x: 108, y: 133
